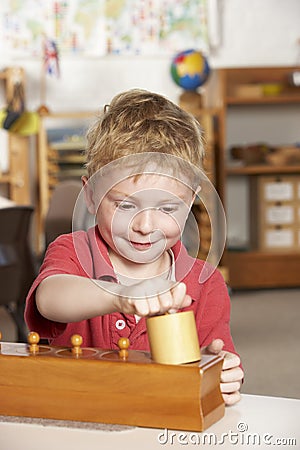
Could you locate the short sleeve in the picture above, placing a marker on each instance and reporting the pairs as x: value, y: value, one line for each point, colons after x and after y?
x: 61, y: 258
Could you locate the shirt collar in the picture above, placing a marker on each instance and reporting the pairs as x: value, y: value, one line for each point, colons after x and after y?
x: 101, y: 266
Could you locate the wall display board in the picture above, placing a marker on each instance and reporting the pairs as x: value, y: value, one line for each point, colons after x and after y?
x: 99, y: 28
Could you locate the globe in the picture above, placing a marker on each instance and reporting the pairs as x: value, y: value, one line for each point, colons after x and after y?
x: 190, y: 69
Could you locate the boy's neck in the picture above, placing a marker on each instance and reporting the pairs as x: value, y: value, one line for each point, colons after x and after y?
x: 137, y: 271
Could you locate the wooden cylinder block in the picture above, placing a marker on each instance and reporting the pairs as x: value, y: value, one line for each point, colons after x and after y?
x: 173, y: 338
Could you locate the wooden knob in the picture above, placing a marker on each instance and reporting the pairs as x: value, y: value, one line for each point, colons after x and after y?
x: 76, y: 341
x: 123, y: 344
x: 33, y: 339
x: 0, y: 335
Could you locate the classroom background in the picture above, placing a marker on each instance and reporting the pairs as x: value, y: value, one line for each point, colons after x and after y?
x: 257, y: 39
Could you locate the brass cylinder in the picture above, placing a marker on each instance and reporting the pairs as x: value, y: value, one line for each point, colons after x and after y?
x: 173, y: 338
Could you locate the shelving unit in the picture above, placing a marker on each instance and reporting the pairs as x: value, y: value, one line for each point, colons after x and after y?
x: 209, y: 119
x: 60, y: 143
x: 16, y: 180
x: 65, y: 161
x: 263, y: 92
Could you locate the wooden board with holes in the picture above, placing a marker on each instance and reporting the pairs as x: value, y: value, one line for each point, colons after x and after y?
x: 97, y: 385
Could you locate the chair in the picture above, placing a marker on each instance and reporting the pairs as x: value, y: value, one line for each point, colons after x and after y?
x: 17, y: 266
x: 59, y: 216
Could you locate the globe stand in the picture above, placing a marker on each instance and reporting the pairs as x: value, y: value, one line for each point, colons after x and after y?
x: 191, y: 101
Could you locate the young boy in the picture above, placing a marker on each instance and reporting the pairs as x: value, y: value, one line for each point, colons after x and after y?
x: 144, y: 159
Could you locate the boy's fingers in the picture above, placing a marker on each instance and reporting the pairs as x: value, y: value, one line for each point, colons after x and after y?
x: 231, y: 399
x: 228, y: 388
x: 186, y: 302
x: 231, y: 360
x: 165, y: 301
x: 178, y: 293
x: 214, y: 348
x: 154, y: 306
x: 177, y: 296
x: 141, y: 307
x: 168, y: 301
x: 232, y: 375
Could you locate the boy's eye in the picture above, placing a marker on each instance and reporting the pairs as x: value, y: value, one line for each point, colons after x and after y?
x: 168, y: 209
x: 125, y: 206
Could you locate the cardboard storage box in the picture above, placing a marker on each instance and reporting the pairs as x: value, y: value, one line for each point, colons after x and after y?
x: 277, y: 188
x: 275, y: 213
x: 249, y: 90
x: 279, y: 213
x: 278, y: 238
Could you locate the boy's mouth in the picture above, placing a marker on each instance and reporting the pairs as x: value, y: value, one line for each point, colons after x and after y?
x: 141, y: 245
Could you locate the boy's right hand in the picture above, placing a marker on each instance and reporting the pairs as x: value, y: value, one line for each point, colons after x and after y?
x: 149, y: 298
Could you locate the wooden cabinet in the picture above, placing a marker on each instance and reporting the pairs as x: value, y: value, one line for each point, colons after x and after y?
x: 259, y: 121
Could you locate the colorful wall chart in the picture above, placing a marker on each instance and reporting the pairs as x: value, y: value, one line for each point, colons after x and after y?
x: 102, y: 27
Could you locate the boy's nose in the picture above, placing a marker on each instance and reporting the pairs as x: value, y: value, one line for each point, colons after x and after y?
x: 143, y: 222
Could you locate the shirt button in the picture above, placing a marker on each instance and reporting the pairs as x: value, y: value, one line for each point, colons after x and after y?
x: 120, y: 324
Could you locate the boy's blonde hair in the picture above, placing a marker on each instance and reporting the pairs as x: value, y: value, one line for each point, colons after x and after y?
x: 138, y: 121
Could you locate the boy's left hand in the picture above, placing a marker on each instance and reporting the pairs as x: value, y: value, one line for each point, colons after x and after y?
x: 232, y: 374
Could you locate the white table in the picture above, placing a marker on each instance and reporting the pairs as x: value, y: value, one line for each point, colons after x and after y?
x: 256, y: 422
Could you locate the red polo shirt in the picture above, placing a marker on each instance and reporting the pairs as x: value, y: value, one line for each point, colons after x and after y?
x: 85, y: 254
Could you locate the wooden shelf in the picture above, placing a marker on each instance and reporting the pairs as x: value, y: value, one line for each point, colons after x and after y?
x: 5, y: 178
x: 264, y: 100
x: 239, y: 90
x: 70, y: 115
x: 252, y: 254
x: 261, y: 169
x: 252, y: 270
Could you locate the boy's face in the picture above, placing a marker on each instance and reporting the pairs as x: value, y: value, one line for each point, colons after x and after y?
x: 142, y: 218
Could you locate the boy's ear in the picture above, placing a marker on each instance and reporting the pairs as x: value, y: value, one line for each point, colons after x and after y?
x: 88, y: 195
